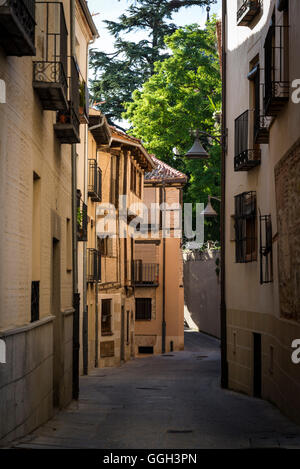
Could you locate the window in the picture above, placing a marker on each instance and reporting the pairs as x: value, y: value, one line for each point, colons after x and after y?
x: 35, y: 301
x: 276, y: 66
x: 146, y: 350
x: 247, y: 156
x: 136, y: 178
x: 245, y: 227
x: 69, y: 245
x: 259, y: 122
x: 105, y: 246
x: 266, y: 254
x: 143, y: 309
x: 127, y: 327
x: 106, y: 317
x: 247, y: 10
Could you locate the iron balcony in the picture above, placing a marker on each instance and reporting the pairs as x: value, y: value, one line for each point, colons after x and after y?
x: 17, y: 27
x: 145, y: 274
x: 50, y: 73
x: 247, y: 11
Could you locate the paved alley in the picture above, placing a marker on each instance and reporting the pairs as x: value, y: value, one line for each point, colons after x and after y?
x: 170, y: 401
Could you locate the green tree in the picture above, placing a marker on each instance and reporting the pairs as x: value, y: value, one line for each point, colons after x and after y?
x: 183, y: 94
x: 118, y: 74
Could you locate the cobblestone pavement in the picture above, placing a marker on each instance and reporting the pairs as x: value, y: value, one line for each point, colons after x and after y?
x: 171, y: 401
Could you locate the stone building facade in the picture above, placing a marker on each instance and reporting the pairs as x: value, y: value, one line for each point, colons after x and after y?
x: 262, y: 199
x: 158, y: 265
x: 39, y: 123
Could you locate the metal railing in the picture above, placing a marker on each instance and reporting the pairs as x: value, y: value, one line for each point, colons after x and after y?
x: 145, y: 274
x: 94, y: 181
x: 82, y: 220
x: 22, y: 13
x: 246, y: 156
x: 247, y: 10
x: 276, y: 69
x: 52, y: 70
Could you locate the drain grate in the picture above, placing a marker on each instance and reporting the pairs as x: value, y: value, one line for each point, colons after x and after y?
x: 180, y: 431
x: 151, y: 389
x: 167, y: 355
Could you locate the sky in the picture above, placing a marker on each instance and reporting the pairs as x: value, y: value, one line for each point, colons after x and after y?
x: 112, y: 9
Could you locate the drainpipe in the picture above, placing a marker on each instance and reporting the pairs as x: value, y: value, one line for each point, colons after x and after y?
x: 76, y: 295
x: 224, y: 363
x: 164, y: 279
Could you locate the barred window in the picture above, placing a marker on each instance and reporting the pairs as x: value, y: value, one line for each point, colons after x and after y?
x: 143, y: 309
x: 245, y: 227
x: 266, y: 254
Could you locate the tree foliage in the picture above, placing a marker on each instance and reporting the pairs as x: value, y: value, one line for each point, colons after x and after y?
x: 183, y: 94
x: 121, y: 72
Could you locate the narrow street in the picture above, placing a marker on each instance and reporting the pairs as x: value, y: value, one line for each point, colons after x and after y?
x: 170, y: 401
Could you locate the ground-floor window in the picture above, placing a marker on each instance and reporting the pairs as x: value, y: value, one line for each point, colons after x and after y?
x: 106, y: 317
x: 143, y: 309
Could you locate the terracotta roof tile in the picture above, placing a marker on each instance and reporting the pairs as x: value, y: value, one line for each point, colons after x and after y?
x: 164, y: 172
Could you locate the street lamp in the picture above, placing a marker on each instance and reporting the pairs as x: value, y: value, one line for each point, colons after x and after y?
x: 209, y: 211
x: 198, y: 152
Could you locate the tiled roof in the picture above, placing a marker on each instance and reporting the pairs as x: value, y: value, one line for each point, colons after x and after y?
x: 164, y: 172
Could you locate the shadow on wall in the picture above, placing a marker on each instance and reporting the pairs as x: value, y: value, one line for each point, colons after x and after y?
x: 202, y: 291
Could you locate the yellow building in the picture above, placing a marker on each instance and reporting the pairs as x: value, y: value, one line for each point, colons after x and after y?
x: 262, y: 198
x: 158, y: 265
x: 39, y: 123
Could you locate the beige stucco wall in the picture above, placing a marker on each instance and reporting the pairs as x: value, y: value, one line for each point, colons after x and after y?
x: 149, y: 333
x: 28, y: 145
x: 202, y: 291
x: 252, y: 307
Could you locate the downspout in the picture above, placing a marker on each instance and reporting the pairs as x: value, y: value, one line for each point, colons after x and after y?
x: 76, y: 295
x: 224, y: 363
x: 164, y: 278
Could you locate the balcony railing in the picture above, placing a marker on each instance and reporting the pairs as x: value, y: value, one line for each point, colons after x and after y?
x: 276, y: 70
x: 68, y: 122
x: 247, y: 10
x: 17, y: 27
x: 246, y: 156
x: 82, y: 219
x: 50, y: 73
x: 145, y: 274
x: 93, y: 266
x: 84, y: 103
x: 94, y: 181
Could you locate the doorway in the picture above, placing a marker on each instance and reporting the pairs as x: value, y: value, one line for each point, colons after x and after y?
x: 257, y: 365
x: 57, y: 327
x: 122, y: 356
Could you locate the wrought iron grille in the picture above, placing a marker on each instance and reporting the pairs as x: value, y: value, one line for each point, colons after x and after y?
x: 247, y: 10
x: 17, y: 27
x: 266, y: 252
x: 94, y: 181
x: 145, y: 274
x: 143, y: 309
x: 276, y: 69
x: 260, y: 121
x: 35, y: 301
x: 82, y: 220
x: 245, y: 227
x: 93, y: 266
x: 50, y: 73
x: 246, y: 157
